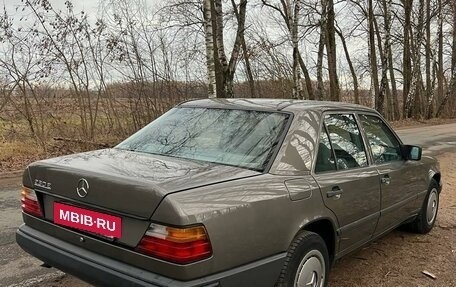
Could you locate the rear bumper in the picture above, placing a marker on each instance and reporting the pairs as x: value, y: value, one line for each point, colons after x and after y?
x: 103, y: 271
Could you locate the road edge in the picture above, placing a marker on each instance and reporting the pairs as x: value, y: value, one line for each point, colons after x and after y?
x: 11, y: 174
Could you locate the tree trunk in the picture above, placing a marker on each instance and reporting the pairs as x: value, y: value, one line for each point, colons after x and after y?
x: 429, y: 86
x: 440, y: 71
x: 220, y: 47
x: 384, y: 86
x: 321, y: 52
x: 219, y: 75
x: 210, y: 57
x: 248, y: 68
x: 331, y: 53
x: 395, y: 97
x: 297, y: 88
x: 227, y: 68
x: 407, y: 64
x: 384, y: 92
x: 373, y: 57
x: 308, y: 80
x: 414, y: 100
x: 388, y: 64
x: 235, y: 52
x: 450, y: 93
x: 350, y: 65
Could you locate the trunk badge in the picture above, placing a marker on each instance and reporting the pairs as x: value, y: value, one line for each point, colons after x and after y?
x: 43, y: 184
x: 83, y: 188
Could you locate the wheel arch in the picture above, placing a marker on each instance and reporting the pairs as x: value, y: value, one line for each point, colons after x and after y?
x: 327, y: 230
x: 437, y: 177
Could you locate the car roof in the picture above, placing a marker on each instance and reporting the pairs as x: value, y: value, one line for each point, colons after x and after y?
x: 272, y: 104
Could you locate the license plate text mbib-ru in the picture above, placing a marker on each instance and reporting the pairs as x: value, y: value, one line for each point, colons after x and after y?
x: 87, y: 220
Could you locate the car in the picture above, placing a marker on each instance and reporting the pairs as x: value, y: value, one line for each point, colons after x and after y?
x: 229, y: 192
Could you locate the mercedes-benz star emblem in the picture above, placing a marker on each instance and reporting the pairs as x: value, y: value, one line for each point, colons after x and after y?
x: 83, y: 187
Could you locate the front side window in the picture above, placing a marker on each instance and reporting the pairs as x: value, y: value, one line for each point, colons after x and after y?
x: 232, y: 137
x: 346, y: 141
x: 384, y: 145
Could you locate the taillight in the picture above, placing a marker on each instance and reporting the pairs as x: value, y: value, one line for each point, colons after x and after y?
x: 178, y: 245
x: 30, y: 203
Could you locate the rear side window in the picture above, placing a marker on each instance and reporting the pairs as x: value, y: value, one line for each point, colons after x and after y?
x: 325, y: 157
x: 384, y: 145
x: 346, y: 141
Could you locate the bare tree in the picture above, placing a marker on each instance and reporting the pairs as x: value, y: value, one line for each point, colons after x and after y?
x: 407, y: 56
x: 297, y: 89
x: 375, y: 91
x: 451, y: 92
x: 396, y: 114
x: 428, y: 56
x: 413, y: 98
x: 289, y: 12
x: 439, y: 66
x: 228, y: 66
x: 246, y: 58
x: 388, y: 65
x: 210, y: 55
x: 321, y: 51
x: 350, y: 65
x: 330, y: 37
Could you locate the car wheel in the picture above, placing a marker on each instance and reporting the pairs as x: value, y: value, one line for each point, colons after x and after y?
x: 425, y: 220
x: 307, y: 262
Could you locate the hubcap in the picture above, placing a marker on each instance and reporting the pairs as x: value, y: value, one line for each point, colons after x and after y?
x: 432, y: 205
x: 311, y: 270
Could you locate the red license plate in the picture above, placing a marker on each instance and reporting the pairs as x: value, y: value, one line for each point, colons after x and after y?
x: 87, y: 220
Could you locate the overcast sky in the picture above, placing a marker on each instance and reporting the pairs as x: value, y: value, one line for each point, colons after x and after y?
x: 88, y: 5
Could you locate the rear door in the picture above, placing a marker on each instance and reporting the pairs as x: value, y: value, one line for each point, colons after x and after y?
x: 398, y: 178
x: 349, y: 186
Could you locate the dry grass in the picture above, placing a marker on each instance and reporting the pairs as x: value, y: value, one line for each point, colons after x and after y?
x: 15, y: 155
x: 15, y: 148
x: 18, y: 148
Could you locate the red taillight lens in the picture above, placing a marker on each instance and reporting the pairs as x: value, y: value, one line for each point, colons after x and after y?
x: 178, y: 245
x: 30, y: 203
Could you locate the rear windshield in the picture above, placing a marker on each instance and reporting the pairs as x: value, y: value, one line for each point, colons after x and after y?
x: 231, y: 137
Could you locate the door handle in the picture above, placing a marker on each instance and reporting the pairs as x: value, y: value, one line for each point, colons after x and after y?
x: 335, y: 192
x: 385, y: 180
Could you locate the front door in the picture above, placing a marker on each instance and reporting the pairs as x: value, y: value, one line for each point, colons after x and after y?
x: 399, y: 179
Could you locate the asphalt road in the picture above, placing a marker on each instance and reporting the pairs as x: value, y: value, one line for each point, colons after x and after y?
x: 19, y: 269
x: 434, y: 139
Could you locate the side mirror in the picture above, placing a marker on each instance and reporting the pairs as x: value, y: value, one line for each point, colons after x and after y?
x: 412, y: 152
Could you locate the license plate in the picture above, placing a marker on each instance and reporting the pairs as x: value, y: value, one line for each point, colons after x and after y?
x: 87, y: 220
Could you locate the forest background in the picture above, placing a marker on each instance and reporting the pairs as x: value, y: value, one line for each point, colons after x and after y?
x: 76, y: 77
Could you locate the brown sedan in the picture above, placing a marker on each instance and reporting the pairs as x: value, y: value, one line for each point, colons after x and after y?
x: 239, y: 192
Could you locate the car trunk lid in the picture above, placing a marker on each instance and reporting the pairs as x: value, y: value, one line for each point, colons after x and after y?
x: 124, y: 182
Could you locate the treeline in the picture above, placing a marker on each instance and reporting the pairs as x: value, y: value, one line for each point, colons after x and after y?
x: 409, y: 57
x: 73, y: 73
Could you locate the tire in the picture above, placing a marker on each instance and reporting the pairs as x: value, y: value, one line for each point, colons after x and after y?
x: 307, y: 261
x: 425, y: 220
